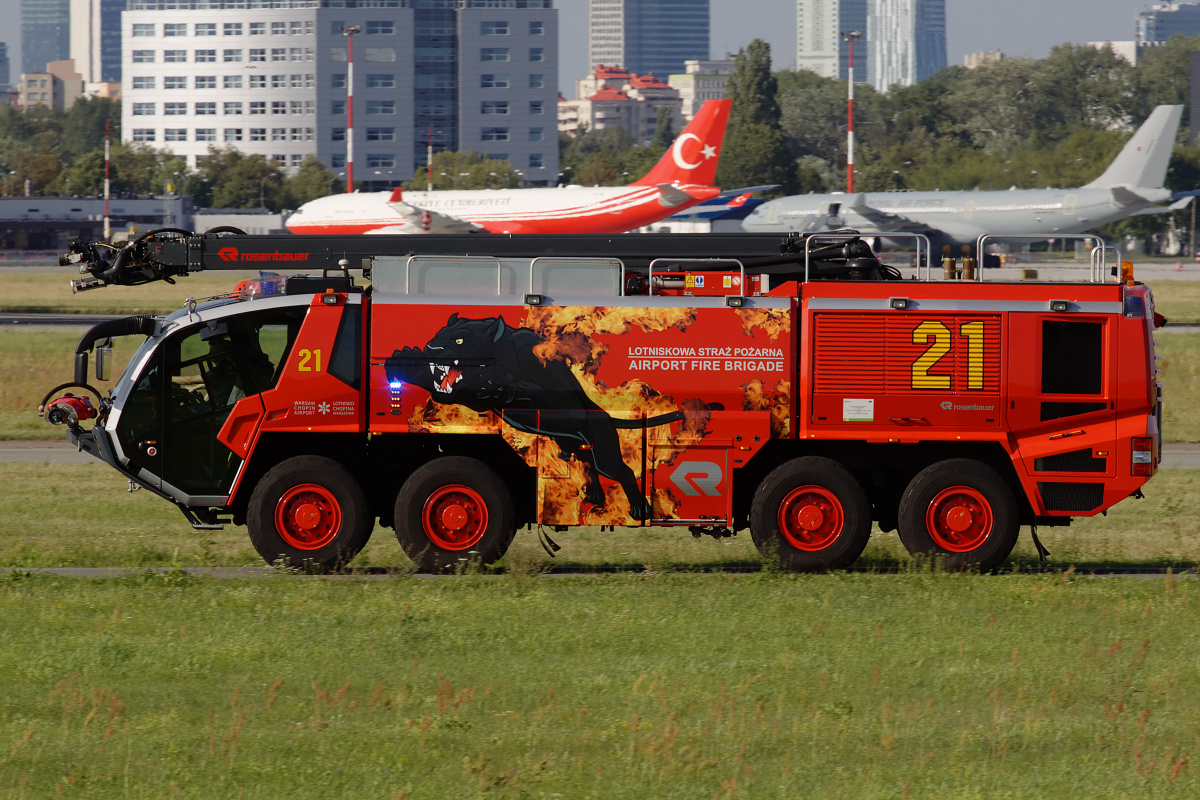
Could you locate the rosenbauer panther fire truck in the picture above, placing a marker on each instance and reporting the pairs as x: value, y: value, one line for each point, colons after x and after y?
x: 478, y: 384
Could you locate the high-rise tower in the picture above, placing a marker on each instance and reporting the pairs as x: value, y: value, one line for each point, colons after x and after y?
x: 907, y: 41
x: 647, y: 36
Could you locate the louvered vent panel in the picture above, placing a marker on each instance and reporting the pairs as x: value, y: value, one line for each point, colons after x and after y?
x: 902, y: 353
x: 850, y: 353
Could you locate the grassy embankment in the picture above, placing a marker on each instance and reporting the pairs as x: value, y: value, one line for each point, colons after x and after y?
x: 664, y: 686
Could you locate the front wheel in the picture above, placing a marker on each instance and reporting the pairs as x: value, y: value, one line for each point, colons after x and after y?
x: 454, y: 511
x: 309, y: 512
x: 961, y: 511
x: 810, y: 513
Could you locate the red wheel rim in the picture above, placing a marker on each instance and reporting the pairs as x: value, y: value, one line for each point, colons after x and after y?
x: 959, y: 519
x: 811, y: 518
x: 308, y: 517
x: 455, y: 517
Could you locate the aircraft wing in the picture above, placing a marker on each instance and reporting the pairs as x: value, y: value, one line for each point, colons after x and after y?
x: 426, y: 221
x: 880, y: 220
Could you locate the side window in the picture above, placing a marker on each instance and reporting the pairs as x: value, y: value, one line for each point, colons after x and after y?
x: 268, y: 337
x: 1072, y: 357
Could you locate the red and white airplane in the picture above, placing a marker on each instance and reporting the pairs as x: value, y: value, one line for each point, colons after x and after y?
x: 682, y: 178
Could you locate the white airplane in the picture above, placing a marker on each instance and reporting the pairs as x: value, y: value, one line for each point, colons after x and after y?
x: 682, y: 178
x: 1132, y: 184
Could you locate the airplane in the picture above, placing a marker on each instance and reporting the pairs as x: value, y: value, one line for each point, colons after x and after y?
x: 1132, y: 185
x: 682, y: 178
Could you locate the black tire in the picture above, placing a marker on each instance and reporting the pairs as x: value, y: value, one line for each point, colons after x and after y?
x: 961, y: 512
x: 309, y: 513
x: 452, y: 512
x: 810, y: 513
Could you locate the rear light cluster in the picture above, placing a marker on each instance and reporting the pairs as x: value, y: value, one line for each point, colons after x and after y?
x: 1143, y: 456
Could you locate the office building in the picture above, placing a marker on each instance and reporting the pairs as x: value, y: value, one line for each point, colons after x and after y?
x: 95, y: 41
x: 907, y: 41
x: 819, y: 44
x: 59, y: 86
x: 5, y: 67
x: 45, y: 33
x: 647, y: 36
x: 1164, y: 20
x: 700, y: 82
x: 272, y: 79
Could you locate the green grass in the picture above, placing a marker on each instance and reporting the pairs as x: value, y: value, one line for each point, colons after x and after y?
x: 1178, y: 301
x: 49, y: 292
x: 663, y: 686
x: 81, y: 515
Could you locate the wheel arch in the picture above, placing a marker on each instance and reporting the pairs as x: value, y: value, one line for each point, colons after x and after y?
x: 883, y: 470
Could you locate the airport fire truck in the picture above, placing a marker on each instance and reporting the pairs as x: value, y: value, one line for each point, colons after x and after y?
x: 467, y: 386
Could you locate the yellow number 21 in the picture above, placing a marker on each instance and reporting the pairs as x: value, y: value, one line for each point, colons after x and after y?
x: 972, y: 331
x: 309, y: 355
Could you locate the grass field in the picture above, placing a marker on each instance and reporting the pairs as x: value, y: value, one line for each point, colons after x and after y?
x: 82, y: 515
x: 635, y: 686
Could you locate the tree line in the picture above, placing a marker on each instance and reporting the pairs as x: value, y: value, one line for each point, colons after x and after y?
x: 1025, y: 123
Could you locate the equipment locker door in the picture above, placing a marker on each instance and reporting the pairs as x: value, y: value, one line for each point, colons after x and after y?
x: 1062, y: 372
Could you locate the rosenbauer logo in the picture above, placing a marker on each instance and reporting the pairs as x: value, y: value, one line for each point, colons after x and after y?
x: 949, y: 406
x: 232, y: 254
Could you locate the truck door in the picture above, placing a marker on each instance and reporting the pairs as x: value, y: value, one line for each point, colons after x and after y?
x: 1062, y: 384
x: 198, y: 377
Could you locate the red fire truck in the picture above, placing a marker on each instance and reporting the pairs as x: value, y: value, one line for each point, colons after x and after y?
x: 715, y: 383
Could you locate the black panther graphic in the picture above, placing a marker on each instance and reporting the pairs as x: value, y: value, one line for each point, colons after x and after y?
x: 486, y: 365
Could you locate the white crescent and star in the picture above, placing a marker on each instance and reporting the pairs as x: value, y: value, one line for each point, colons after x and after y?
x: 706, y: 152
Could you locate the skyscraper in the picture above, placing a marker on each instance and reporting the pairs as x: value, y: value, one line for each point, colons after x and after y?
x: 96, y: 39
x: 819, y: 45
x: 647, y: 36
x: 907, y: 41
x: 5, y: 70
x: 45, y: 33
x: 1165, y: 20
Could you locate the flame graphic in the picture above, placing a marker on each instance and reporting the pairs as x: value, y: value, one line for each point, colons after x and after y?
x: 757, y: 398
x: 568, y: 335
x: 772, y: 321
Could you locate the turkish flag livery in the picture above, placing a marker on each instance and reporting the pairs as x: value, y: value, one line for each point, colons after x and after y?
x: 693, y: 157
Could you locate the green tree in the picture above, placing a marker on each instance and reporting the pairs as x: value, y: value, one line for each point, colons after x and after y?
x: 312, y: 180
x: 663, y: 135
x: 755, y: 155
x: 754, y: 152
x: 241, y: 181
x: 753, y: 88
x: 465, y: 170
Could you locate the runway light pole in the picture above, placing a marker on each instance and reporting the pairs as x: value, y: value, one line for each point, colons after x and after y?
x: 350, y: 31
x: 850, y: 36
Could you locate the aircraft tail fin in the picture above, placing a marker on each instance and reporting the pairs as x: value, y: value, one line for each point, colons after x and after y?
x: 1143, y: 160
x: 693, y: 157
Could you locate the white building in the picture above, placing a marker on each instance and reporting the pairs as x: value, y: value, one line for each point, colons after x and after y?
x: 272, y: 79
x: 700, y: 82
x: 906, y: 40
x: 819, y: 44
x: 612, y: 97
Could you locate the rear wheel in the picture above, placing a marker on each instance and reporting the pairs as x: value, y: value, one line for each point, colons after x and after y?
x: 961, y: 511
x: 309, y: 512
x: 454, y: 511
x: 810, y: 513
